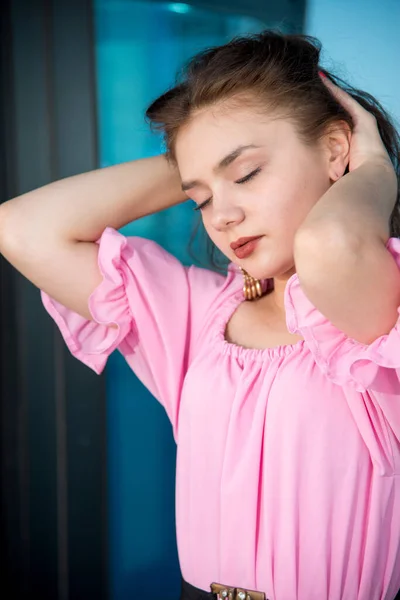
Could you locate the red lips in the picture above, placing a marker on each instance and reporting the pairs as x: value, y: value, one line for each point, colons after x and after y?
x: 242, y: 241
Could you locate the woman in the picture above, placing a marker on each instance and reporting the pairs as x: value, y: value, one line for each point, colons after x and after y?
x: 285, y: 408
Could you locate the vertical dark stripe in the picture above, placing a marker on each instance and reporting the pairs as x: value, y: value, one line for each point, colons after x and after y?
x: 53, y: 467
x: 62, y: 478
x: 58, y: 355
x: 14, y: 484
x: 103, y: 488
x: 76, y: 150
x: 36, y: 418
x: 21, y: 400
x: 93, y: 100
x: 23, y: 445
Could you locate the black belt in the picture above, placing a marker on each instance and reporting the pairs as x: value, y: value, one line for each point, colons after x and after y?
x: 220, y: 592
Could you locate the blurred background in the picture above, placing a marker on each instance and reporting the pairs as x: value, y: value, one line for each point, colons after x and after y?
x: 87, y: 461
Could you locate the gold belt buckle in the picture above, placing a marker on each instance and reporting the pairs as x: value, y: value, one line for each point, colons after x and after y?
x: 225, y: 592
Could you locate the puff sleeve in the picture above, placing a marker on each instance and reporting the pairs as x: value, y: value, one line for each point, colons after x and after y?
x: 369, y: 375
x: 158, y: 306
x: 345, y: 361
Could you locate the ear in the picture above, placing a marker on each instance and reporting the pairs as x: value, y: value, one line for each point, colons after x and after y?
x: 337, y: 149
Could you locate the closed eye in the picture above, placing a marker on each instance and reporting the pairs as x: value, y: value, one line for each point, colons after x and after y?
x: 249, y: 176
x: 239, y: 181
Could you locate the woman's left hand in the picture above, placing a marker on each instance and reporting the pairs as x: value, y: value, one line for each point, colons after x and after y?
x: 366, y: 143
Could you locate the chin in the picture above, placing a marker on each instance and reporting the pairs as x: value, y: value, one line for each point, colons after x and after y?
x: 259, y: 270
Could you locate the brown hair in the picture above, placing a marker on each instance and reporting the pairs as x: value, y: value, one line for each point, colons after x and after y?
x: 270, y: 71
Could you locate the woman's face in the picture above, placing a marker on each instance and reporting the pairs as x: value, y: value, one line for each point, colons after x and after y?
x: 287, y: 179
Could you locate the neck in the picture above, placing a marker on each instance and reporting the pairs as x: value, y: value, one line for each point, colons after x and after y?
x: 277, y: 295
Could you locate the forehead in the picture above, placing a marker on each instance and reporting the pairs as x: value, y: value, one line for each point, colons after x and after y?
x: 213, y: 133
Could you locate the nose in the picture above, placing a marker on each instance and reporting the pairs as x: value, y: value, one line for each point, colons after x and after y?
x: 225, y: 215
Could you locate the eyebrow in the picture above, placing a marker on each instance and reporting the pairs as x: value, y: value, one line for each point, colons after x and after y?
x: 223, y: 164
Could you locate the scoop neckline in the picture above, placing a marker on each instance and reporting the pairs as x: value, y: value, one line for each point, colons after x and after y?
x: 237, y: 351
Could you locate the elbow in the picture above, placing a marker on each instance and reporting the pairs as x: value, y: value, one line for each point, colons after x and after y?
x: 12, y: 227
x: 4, y: 224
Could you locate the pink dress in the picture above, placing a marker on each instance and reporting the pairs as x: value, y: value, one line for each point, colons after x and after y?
x: 288, y: 458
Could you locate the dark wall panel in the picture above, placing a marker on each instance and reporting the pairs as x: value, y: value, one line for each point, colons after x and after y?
x: 53, y: 479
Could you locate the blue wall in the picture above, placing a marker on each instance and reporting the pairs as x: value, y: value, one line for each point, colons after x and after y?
x: 361, y: 40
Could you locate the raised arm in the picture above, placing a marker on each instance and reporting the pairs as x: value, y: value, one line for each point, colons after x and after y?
x: 49, y: 234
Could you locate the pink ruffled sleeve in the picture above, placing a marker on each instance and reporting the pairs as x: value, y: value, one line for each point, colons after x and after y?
x: 373, y: 370
x: 92, y: 342
x: 158, y: 306
x: 345, y: 361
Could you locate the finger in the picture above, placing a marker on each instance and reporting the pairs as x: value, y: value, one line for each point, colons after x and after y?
x: 347, y: 101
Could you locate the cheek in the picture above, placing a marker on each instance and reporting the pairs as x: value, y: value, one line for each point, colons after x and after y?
x: 309, y: 186
x: 295, y: 198
x: 315, y: 177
